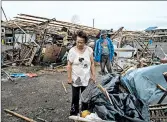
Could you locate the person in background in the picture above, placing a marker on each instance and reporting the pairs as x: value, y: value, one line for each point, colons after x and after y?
x: 150, y: 41
x: 81, y: 70
x: 104, y: 51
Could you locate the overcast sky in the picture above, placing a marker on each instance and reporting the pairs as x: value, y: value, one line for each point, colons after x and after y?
x: 133, y: 15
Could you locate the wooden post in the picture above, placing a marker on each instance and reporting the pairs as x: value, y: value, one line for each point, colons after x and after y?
x: 64, y: 87
x: 22, y: 38
x: 25, y: 37
x: 93, y: 22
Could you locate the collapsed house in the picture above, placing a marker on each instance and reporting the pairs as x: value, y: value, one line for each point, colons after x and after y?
x: 160, y: 32
x: 31, y: 40
x: 46, y: 39
x: 51, y: 39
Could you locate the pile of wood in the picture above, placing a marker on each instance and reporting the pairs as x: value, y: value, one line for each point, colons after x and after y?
x: 57, y: 34
x: 27, y: 54
x: 30, y: 22
x: 23, y: 56
x: 158, y: 112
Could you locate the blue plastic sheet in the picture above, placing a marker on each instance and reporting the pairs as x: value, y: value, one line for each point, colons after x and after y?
x: 18, y: 75
x: 142, y: 82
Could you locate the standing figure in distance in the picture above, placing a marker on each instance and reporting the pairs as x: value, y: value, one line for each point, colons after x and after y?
x: 104, y: 51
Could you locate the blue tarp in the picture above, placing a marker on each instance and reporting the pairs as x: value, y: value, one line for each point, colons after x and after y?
x: 18, y: 75
x: 150, y: 28
x: 142, y: 82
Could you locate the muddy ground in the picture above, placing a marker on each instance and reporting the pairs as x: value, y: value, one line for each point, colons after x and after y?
x: 42, y: 96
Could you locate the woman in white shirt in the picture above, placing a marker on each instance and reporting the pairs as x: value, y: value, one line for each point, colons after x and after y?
x: 80, y: 70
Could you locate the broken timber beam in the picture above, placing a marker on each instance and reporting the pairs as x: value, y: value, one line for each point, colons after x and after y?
x: 124, y: 50
x: 32, y: 55
x: 19, y: 115
x: 64, y: 87
x: 15, y: 61
x: 7, y: 75
x: 31, y: 49
x: 61, y: 22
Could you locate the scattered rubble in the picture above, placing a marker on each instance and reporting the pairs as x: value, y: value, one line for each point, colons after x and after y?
x: 45, y: 41
x: 42, y: 41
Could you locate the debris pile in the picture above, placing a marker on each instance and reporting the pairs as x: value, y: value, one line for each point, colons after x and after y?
x: 39, y: 40
x: 129, y: 98
x: 139, y: 77
x: 54, y: 38
x: 120, y: 107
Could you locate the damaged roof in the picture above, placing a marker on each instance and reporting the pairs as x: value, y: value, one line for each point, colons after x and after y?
x: 31, y: 22
x: 150, y: 28
x: 156, y: 28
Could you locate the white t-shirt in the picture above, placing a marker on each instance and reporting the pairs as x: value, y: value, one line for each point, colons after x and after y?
x: 81, y: 64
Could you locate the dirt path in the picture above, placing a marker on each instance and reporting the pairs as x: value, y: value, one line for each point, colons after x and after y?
x: 41, y: 96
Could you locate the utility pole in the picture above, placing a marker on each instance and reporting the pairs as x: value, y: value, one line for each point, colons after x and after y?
x: 93, y: 22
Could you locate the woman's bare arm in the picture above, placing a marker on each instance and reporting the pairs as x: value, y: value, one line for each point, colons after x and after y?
x: 92, y: 68
x: 69, y: 72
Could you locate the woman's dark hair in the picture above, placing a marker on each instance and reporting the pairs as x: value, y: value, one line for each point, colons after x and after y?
x: 81, y: 34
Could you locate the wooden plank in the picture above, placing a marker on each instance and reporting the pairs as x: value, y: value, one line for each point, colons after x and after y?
x: 33, y: 20
x: 158, y: 105
x: 37, y: 17
x: 19, y: 115
x: 54, y: 23
x: 7, y: 75
x: 143, y: 51
x: 11, y: 23
x: 15, y: 61
x: 158, y: 117
x: 159, y: 108
x: 25, y: 22
x: 32, y: 55
x: 24, y: 51
x: 124, y: 50
x: 27, y: 54
x: 64, y: 87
